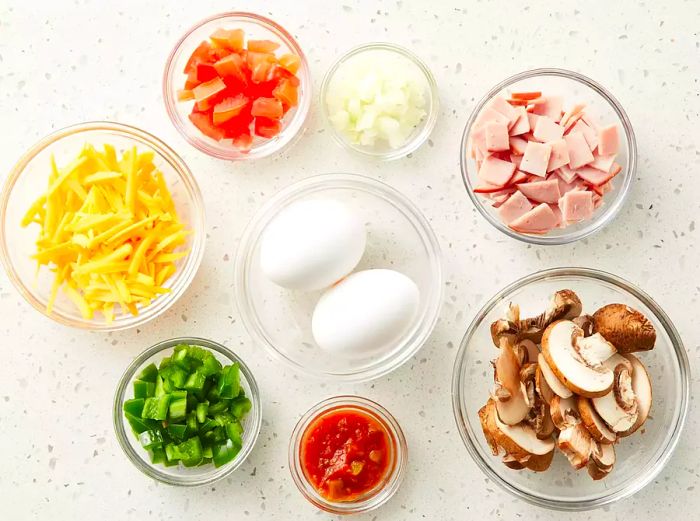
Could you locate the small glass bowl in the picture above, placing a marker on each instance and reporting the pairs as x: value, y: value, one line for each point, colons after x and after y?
x: 398, y: 237
x: 603, y: 107
x: 181, y: 475
x: 27, y: 181
x: 424, y: 128
x: 257, y: 27
x: 397, y: 467
x: 640, y: 457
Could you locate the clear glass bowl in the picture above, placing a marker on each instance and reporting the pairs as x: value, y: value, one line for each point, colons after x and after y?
x: 256, y: 27
x: 640, y: 457
x: 604, y: 108
x: 432, y: 108
x: 395, y: 473
x: 398, y: 237
x: 27, y: 181
x: 181, y: 475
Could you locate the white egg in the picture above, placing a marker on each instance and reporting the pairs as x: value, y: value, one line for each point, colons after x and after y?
x: 365, y: 313
x: 312, y: 244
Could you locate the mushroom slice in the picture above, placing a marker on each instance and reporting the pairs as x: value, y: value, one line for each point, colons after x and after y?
x: 594, y: 423
x: 504, y: 329
x: 641, y: 385
x: 551, y: 379
x: 558, y: 348
x: 528, y: 351
x: 585, y: 322
x: 564, y: 304
x: 602, y: 460
x: 542, y: 387
x: 514, y: 409
x: 617, y: 359
x: 489, y: 427
x: 564, y: 411
x: 594, y: 350
x: 619, y: 407
x: 576, y: 443
x: 627, y: 329
x: 512, y: 463
x: 540, y: 419
x: 540, y: 462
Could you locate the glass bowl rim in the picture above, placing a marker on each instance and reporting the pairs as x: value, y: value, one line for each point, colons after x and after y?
x: 138, y: 460
x: 392, y: 481
x: 269, y: 209
x: 132, y: 133
x: 294, y: 126
x: 427, y: 126
x: 678, y: 350
x: 629, y: 170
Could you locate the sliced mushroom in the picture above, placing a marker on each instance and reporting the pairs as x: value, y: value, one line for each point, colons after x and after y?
x: 512, y: 463
x: 585, y: 322
x: 514, y: 409
x: 528, y: 351
x: 564, y: 411
x: 593, y: 422
x: 627, y: 329
x: 602, y: 460
x: 619, y: 407
x: 641, y: 385
x: 554, y: 383
x: 576, y: 443
x: 504, y: 329
x: 558, y: 347
x: 542, y: 387
x: 488, y: 426
x: 540, y: 462
x: 564, y: 304
x: 594, y: 350
x: 617, y: 359
x: 540, y: 419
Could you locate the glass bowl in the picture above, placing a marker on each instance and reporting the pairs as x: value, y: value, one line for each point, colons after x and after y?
x: 604, y: 108
x: 393, y: 477
x: 255, y: 26
x: 181, y: 475
x: 423, y: 129
x: 29, y: 177
x: 640, y: 457
x: 398, y: 237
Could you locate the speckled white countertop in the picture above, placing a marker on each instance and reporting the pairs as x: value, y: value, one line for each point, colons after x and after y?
x: 64, y: 62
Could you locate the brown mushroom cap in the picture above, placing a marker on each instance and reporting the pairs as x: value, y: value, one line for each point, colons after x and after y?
x: 594, y: 423
x: 564, y: 304
x: 626, y: 328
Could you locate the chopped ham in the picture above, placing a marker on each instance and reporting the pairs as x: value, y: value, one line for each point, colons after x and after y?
x: 486, y: 188
x: 526, y: 95
x: 541, y: 191
x: 532, y: 120
x: 495, y: 171
x: 566, y: 173
x: 547, y: 130
x: 603, y: 163
x: 490, y: 115
x: 517, y: 145
x: 576, y: 205
x: 516, y: 206
x: 496, y: 137
x: 499, y: 104
x: 478, y: 138
x: 608, y: 140
x: 518, y: 177
x: 539, y: 220
x: 536, y: 158
x: 579, y: 152
x: 522, y: 125
x: 576, y: 111
x: 565, y: 187
x: 589, y: 133
x: 551, y: 107
x: 594, y: 176
x: 559, y: 156
x: 557, y: 213
x: 516, y: 160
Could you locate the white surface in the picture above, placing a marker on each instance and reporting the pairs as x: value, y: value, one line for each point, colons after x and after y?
x: 66, y: 62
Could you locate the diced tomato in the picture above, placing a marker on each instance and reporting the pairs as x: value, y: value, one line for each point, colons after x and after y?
x: 204, y: 72
x: 217, y: 53
x: 232, y: 68
x: 198, y: 55
x: 290, y: 62
x: 243, y: 142
x: 185, y: 95
x: 229, y: 108
x: 229, y: 38
x: 286, y: 93
x: 260, y: 65
x: 203, y: 122
x: 206, y: 94
x: 267, y: 108
x: 267, y: 128
x: 262, y: 46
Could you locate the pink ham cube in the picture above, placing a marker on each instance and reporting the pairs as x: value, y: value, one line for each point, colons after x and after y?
x: 579, y: 152
x: 495, y: 171
x: 566, y: 173
x: 532, y: 120
x: 499, y: 104
x: 608, y: 140
x: 536, y: 158
x: 572, y: 115
x: 547, y: 130
x: 522, y: 125
x: 516, y: 206
x: 594, y: 176
x: 603, y: 163
x: 496, y: 137
x: 488, y: 115
x: 589, y: 133
x: 576, y: 205
x: 559, y: 156
x: 541, y: 219
x: 517, y: 145
x: 551, y: 107
x: 541, y: 191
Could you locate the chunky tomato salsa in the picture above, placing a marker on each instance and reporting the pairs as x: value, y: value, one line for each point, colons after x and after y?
x: 344, y: 454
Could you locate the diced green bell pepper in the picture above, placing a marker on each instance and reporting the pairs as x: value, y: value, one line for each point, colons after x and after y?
x: 192, y: 421
x: 178, y: 409
x: 210, y: 365
x: 138, y: 424
x: 177, y: 431
x: 190, y: 452
x: 134, y: 406
x: 240, y: 406
x: 225, y: 452
x: 158, y: 455
x: 149, y: 373
x: 144, y: 389
x: 229, y: 382
x: 202, y: 411
x: 151, y: 439
x: 156, y: 408
x: 218, y: 407
x: 195, y: 381
x: 234, y: 431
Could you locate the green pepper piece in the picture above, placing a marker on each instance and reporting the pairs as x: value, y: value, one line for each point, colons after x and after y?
x: 213, y: 394
x: 181, y: 357
x: 205, y: 461
x: 192, y: 421
x: 202, y: 411
x: 156, y: 408
x: 240, y: 406
x: 144, y: 389
x: 218, y: 407
x: 210, y: 365
x: 149, y: 373
x: 224, y: 418
x: 179, y: 395
x: 151, y: 439
x: 208, y: 425
x: 190, y: 451
x: 160, y: 387
x: 178, y: 409
x: 225, y: 452
x: 234, y: 431
x: 195, y: 381
x: 218, y: 434
x: 138, y: 424
x: 178, y: 431
x: 157, y: 455
x: 165, y: 362
x: 171, y: 452
x: 229, y: 382
x: 134, y: 406
x: 207, y: 452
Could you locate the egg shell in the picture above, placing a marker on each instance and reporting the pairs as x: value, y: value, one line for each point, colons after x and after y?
x: 312, y: 244
x: 365, y: 313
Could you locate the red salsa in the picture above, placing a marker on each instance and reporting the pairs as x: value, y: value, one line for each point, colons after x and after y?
x: 345, y: 453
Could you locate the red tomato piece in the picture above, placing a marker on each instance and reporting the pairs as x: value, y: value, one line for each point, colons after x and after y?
x: 267, y: 108
x: 198, y: 55
x: 262, y: 46
x: 243, y: 142
x: 290, y: 62
x: 204, y: 72
x: 232, y: 39
x: 260, y: 65
x: 207, y: 93
x: 232, y: 69
x: 286, y: 93
x: 185, y: 95
x: 229, y: 108
x: 203, y: 122
x: 267, y: 128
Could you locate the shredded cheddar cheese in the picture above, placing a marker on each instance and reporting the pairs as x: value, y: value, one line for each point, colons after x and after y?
x: 108, y: 230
